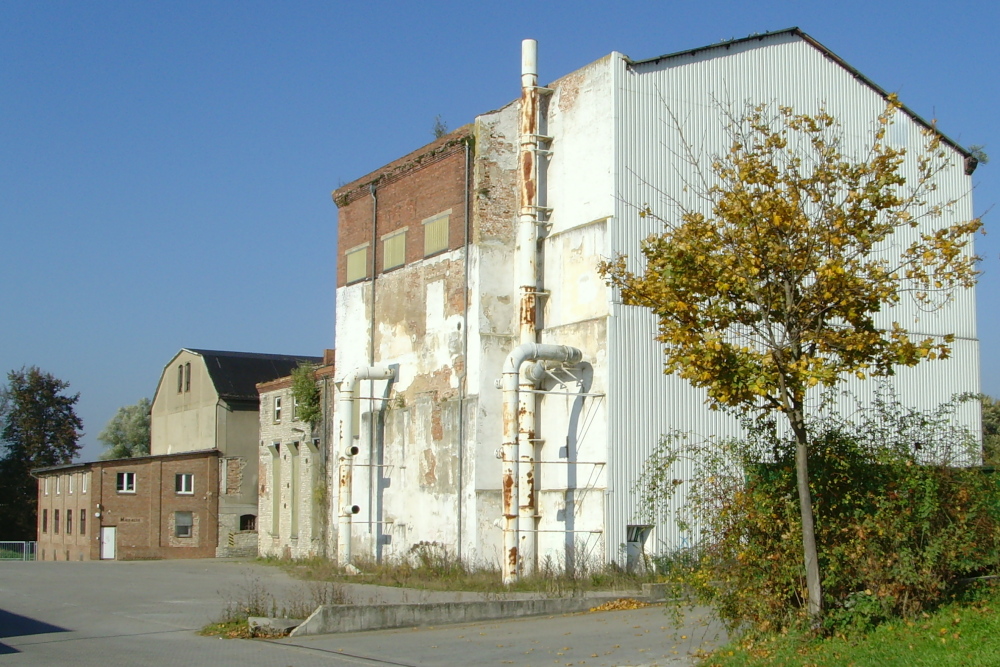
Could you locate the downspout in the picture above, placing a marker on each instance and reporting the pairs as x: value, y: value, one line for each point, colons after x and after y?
x: 347, y: 452
x: 372, y: 187
x: 528, y: 279
x: 511, y: 384
x: 463, y: 380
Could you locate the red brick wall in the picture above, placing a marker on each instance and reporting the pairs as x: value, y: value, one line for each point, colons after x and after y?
x: 144, y: 520
x: 409, y: 191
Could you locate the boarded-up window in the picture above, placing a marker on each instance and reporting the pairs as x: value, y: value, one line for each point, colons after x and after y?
x: 436, y: 233
x: 233, y: 475
x: 357, y: 263
x: 393, y: 250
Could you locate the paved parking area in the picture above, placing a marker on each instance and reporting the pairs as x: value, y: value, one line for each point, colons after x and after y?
x: 146, y: 613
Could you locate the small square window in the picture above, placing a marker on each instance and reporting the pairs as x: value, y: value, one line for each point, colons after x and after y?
x: 436, y: 233
x: 184, y: 483
x: 356, y: 260
x: 394, y: 250
x: 126, y: 482
x: 277, y: 409
x: 183, y: 524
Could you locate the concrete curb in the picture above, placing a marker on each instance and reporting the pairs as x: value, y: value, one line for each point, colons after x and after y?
x: 351, y: 618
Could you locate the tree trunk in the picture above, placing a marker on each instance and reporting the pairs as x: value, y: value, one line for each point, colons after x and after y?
x: 813, y: 584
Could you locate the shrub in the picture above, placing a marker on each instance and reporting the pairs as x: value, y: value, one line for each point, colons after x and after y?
x: 901, y: 517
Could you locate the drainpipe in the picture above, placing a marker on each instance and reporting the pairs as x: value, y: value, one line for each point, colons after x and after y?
x: 511, y: 384
x: 528, y: 279
x: 348, y: 450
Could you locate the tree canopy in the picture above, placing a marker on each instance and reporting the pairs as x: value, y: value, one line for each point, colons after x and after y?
x: 40, y: 428
x: 305, y: 393
x: 126, y: 435
x: 778, y: 286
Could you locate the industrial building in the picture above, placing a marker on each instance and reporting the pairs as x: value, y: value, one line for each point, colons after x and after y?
x: 496, y: 400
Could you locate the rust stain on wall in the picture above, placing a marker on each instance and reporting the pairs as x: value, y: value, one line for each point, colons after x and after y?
x: 429, y: 467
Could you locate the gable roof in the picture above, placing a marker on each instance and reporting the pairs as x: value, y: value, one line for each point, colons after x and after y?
x: 833, y: 57
x: 236, y: 374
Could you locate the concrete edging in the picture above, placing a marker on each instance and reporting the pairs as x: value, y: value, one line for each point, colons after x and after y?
x: 353, y: 618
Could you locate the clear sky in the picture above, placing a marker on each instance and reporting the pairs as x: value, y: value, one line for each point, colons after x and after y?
x: 166, y: 167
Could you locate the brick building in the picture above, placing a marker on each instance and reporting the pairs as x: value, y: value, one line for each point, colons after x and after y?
x: 126, y: 509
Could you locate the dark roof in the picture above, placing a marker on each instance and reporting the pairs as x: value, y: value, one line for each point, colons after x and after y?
x: 236, y: 374
x: 146, y: 457
x: 826, y: 52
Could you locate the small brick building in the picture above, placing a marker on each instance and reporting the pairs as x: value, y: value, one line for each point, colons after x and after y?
x: 126, y: 509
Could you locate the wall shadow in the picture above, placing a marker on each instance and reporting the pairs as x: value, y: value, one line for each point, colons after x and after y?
x: 15, y: 625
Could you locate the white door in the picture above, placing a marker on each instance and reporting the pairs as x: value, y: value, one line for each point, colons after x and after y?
x: 107, y: 542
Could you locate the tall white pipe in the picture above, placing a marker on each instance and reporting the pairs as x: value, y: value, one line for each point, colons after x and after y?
x: 527, y: 276
x: 511, y: 384
x: 347, y: 451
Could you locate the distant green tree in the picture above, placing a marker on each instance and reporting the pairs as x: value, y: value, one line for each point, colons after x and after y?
x: 991, y: 429
x: 126, y: 435
x: 40, y: 428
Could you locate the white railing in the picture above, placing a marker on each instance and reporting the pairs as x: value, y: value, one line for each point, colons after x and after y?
x: 17, y: 550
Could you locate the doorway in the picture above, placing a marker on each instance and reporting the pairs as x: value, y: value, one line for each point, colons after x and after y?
x: 108, y: 542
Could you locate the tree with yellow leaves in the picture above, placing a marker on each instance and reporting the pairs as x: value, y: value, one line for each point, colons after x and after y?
x: 774, y: 287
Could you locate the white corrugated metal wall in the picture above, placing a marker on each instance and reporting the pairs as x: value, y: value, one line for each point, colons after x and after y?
x: 652, y: 100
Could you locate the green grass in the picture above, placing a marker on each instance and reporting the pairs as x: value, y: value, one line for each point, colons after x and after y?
x: 961, y: 633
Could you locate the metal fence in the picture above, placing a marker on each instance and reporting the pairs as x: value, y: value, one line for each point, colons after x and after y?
x: 17, y: 550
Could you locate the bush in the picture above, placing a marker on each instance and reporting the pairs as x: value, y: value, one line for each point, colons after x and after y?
x: 901, y: 517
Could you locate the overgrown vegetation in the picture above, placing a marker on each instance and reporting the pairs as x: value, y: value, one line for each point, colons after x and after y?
x: 429, y: 567
x: 306, y: 394
x: 963, y: 633
x: 253, y: 598
x: 901, y: 517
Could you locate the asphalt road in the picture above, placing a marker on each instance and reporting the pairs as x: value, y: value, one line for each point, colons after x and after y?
x: 146, y: 613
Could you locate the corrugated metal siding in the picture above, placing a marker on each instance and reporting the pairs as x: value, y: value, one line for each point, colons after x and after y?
x: 653, y: 100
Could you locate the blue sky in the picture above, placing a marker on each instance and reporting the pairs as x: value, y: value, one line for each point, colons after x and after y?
x: 166, y: 167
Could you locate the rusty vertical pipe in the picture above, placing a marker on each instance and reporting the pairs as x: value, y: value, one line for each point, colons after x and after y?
x: 511, y: 383
x: 527, y: 263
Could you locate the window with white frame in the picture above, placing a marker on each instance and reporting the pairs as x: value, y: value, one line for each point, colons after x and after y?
x: 83, y: 482
x: 295, y: 408
x: 277, y: 409
x: 184, y: 483
x: 47, y: 480
x: 436, y: 233
x: 394, y: 250
x: 58, y: 484
x: 69, y: 484
x: 183, y: 524
x: 126, y: 482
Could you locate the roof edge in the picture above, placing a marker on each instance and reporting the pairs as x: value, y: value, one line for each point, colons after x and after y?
x: 816, y: 44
